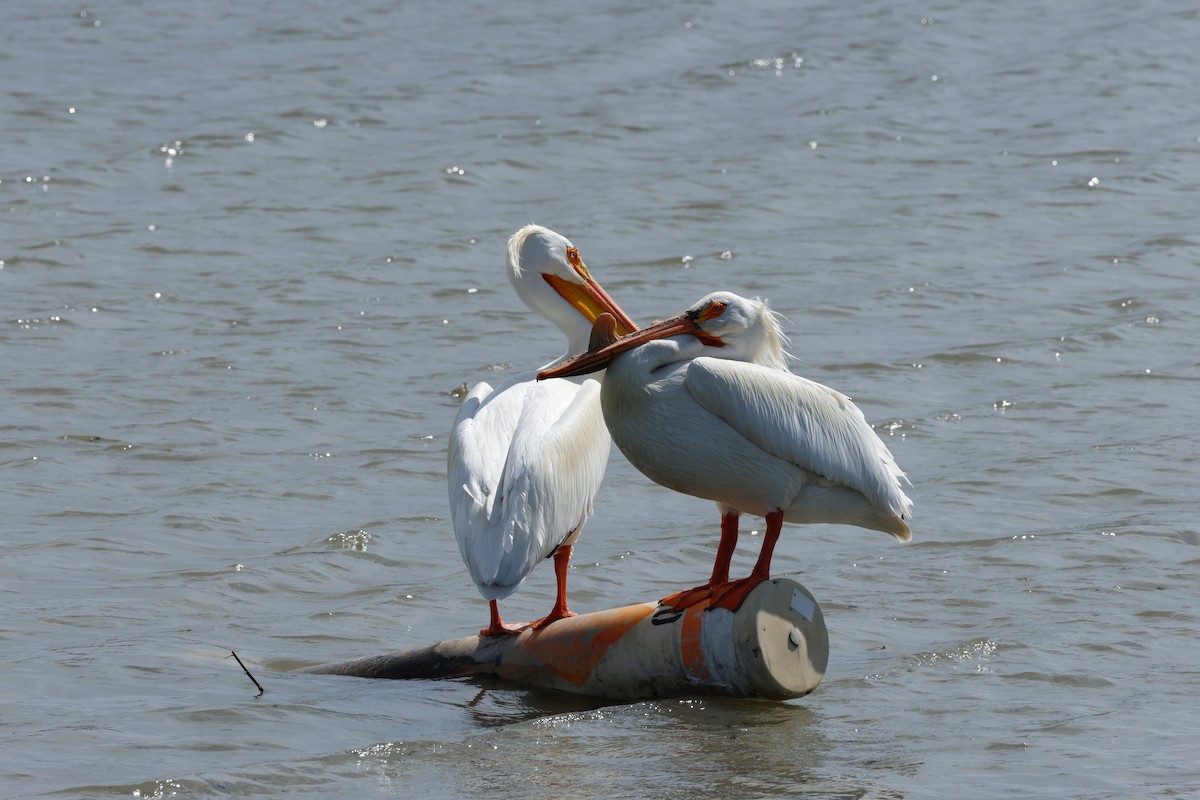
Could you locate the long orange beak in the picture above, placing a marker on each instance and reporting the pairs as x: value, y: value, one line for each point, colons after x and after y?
x: 589, y: 297
x: 595, y: 360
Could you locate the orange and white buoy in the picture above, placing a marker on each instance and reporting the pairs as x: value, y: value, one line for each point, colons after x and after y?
x: 774, y: 645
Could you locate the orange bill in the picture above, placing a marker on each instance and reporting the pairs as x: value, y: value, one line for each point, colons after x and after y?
x: 595, y: 360
x: 589, y: 297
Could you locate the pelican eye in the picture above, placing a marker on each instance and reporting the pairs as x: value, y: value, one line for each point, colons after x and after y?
x: 714, y: 309
x: 575, y: 261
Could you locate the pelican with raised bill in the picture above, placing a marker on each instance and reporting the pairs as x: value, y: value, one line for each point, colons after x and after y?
x: 704, y: 403
x: 527, y: 457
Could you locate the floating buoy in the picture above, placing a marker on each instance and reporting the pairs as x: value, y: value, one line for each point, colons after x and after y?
x: 774, y: 646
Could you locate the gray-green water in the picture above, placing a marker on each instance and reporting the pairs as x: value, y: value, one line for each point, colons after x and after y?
x: 248, y: 250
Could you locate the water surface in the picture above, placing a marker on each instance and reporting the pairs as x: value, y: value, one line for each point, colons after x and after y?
x: 250, y: 250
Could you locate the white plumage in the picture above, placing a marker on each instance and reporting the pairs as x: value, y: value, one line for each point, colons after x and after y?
x: 526, y: 458
x: 715, y: 413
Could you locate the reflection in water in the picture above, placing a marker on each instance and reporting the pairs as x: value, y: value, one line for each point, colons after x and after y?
x: 678, y: 748
x: 547, y: 744
x: 494, y: 706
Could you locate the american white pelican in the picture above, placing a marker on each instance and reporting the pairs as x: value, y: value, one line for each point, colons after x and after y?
x: 526, y: 459
x: 716, y: 413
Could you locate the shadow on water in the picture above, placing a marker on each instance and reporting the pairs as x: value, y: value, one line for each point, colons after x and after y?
x: 497, y: 704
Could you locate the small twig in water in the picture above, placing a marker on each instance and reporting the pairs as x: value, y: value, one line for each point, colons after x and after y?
x: 248, y: 675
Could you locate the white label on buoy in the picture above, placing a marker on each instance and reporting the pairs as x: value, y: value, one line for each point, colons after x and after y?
x: 802, y: 605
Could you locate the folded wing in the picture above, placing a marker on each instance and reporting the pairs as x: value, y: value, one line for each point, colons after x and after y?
x: 803, y: 422
x: 525, y: 464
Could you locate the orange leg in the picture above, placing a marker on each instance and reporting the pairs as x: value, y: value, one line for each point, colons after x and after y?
x: 732, y: 595
x: 720, y: 573
x: 498, y: 628
x: 729, y: 537
x: 562, y: 558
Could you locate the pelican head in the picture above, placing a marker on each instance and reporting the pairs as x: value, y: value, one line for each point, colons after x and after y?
x: 727, y: 325
x: 745, y: 327
x: 549, y: 275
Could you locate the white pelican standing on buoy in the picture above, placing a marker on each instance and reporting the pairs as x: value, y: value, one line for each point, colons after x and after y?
x: 704, y: 403
x: 526, y: 458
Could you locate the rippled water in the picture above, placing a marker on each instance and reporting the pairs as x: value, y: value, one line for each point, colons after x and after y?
x: 249, y: 250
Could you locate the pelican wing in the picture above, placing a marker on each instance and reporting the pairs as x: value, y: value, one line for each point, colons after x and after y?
x: 803, y: 422
x: 471, y: 466
x: 525, y: 463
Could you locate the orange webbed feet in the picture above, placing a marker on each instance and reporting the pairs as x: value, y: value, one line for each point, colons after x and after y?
x: 733, y: 594
x: 496, y: 627
x: 503, y: 629
x: 553, y: 616
x: 688, y: 597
